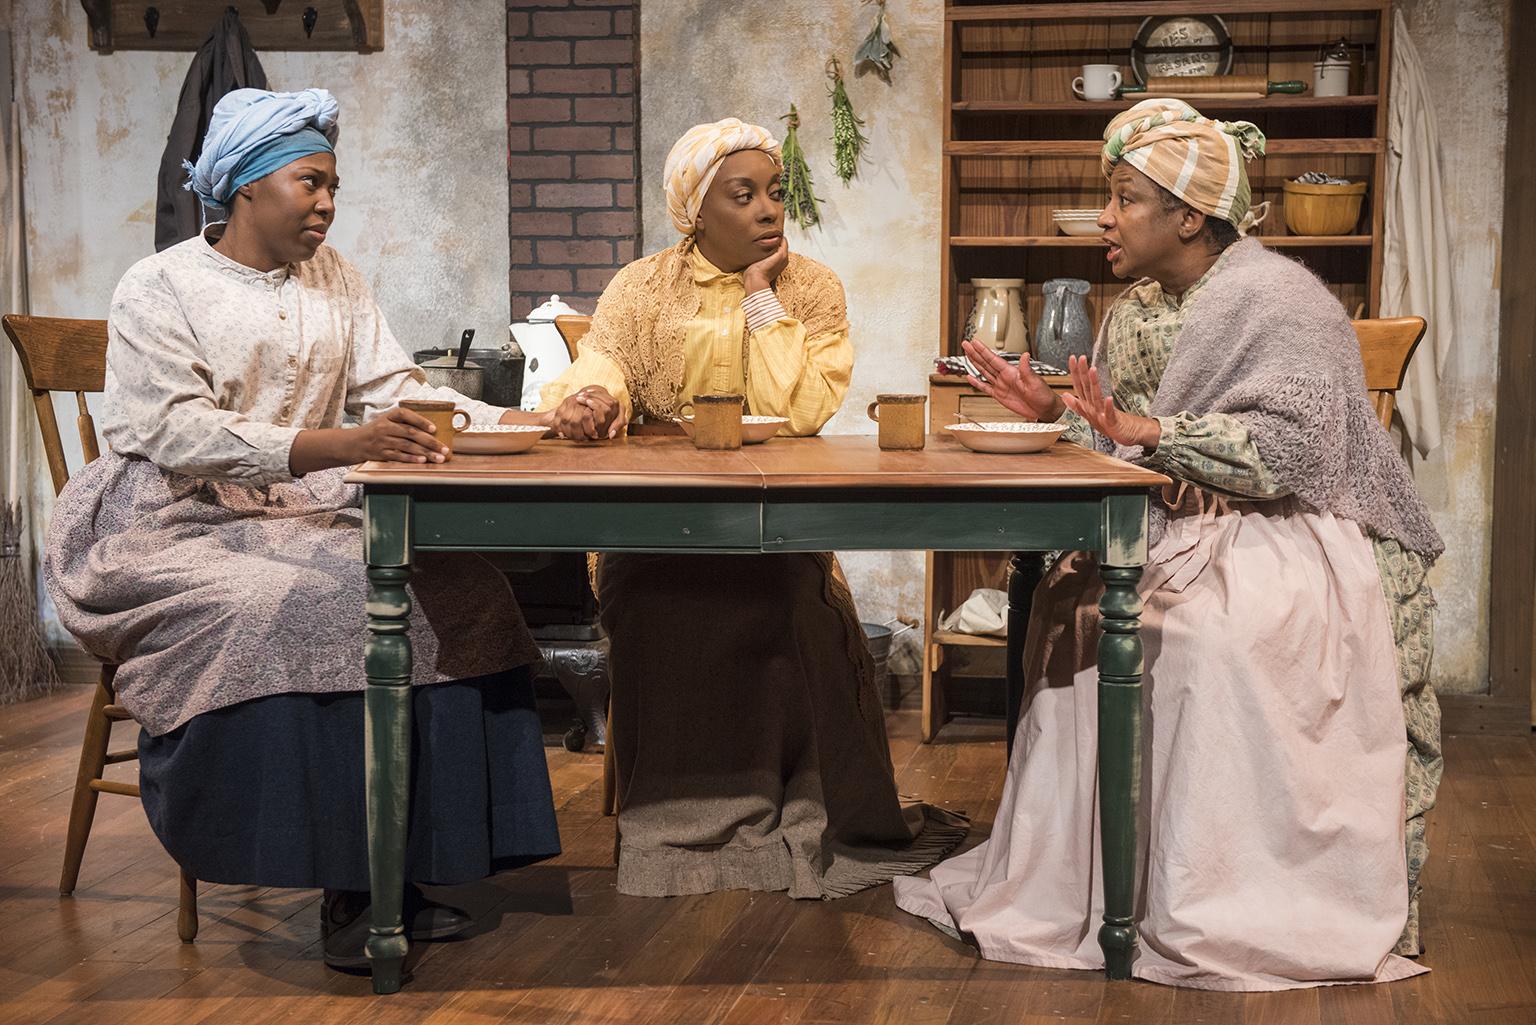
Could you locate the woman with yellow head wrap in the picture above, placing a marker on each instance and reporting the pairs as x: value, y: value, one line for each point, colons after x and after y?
x: 1286, y: 618
x: 696, y: 158
x: 746, y: 723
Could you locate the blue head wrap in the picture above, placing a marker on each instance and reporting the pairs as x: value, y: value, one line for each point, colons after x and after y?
x: 276, y: 152
x: 246, y: 133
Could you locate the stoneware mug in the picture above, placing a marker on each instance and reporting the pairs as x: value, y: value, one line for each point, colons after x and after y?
x: 716, y: 420
x: 1098, y: 82
x: 901, y: 419
x: 444, y: 416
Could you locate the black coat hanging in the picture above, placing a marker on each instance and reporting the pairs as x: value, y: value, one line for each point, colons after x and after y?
x: 223, y: 63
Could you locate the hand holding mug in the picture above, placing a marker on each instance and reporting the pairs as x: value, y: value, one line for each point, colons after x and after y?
x: 397, y: 435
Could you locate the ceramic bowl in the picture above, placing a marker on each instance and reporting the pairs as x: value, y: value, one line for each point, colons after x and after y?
x: 497, y: 439
x: 1007, y: 437
x: 754, y: 429
x: 1073, y: 222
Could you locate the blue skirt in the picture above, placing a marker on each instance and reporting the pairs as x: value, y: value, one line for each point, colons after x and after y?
x: 270, y: 792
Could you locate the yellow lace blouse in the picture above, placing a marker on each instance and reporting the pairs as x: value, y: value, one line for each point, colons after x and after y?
x: 738, y: 343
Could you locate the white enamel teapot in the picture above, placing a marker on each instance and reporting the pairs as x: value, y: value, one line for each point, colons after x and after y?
x: 543, y: 348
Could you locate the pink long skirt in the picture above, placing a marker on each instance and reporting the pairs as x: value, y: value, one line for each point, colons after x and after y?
x: 1270, y: 835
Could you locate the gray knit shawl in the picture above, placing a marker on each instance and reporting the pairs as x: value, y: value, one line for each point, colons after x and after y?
x: 1266, y: 342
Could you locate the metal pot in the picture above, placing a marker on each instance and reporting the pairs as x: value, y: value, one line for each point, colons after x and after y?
x: 500, y: 372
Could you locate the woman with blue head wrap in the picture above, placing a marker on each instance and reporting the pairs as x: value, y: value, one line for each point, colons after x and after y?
x: 268, y: 167
x: 234, y: 360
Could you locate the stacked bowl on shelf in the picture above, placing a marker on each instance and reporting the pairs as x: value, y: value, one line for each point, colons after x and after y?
x: 1078, y: 221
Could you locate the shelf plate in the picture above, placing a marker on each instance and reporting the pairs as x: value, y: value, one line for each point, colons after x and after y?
x: 1203, y: 103
x: 1054, y: 241
x: 1144, y: 8
x: 1092, y: 147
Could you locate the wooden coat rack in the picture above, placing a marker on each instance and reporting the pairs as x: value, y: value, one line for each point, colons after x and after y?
x: 356, y: 25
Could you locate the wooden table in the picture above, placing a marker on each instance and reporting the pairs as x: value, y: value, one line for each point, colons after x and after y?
x: 659, y: 494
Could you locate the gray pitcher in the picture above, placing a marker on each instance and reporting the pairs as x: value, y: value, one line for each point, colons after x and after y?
x: 1065, y: 329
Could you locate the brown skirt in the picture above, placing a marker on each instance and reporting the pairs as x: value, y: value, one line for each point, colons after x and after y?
x: 748, y: 733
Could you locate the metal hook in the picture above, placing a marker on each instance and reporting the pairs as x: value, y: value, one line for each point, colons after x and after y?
x: 310, y: 17
x: 271, y: 5
x: 151, y: 20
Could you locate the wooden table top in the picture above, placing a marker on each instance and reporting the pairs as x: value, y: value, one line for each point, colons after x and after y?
x: 840, y: 461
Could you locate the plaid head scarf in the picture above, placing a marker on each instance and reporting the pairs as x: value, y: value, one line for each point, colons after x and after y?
x: 1195, y: 158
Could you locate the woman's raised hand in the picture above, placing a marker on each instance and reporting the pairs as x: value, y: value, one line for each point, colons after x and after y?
x: 1016, y: 387
x: 1089, y: 402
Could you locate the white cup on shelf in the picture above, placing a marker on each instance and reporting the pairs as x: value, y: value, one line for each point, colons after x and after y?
x: 1098, y: 82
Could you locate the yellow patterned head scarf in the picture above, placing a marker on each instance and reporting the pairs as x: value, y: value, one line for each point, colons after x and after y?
x: 695, y: 158
x: 1195, y: 158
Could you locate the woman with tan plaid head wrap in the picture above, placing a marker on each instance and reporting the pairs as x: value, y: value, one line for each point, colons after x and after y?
x: 747, y: 729
x: 1285, y: 616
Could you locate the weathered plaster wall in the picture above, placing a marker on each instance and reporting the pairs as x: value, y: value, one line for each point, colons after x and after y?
x: 1463, y: 45
x: 881, y: 233
x: 422, y: 157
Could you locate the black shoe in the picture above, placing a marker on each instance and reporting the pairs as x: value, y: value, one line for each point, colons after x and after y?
x: 426, y: 919
x: 344, y: 923
x: 344, y: 929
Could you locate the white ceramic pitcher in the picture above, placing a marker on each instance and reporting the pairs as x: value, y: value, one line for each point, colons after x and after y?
x: 997, y: 319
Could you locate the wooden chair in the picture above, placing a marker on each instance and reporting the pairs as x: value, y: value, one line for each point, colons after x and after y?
x: 71, y: 355
x: 573, y: 328
x: 1386, y: 346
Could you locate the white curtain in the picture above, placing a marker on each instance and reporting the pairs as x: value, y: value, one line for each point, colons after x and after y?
x: 1416, y: 269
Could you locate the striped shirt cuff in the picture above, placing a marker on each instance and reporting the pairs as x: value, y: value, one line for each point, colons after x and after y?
x: 762, y: 308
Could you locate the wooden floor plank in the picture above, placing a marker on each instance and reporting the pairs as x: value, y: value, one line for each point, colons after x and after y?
x: 555, y: 943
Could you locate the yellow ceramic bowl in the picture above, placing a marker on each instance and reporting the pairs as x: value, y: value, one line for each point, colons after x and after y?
x: 1006, y: 437
x: 1322, y: 209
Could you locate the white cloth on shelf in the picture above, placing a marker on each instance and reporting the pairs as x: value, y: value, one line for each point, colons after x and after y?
x: 984, y: 612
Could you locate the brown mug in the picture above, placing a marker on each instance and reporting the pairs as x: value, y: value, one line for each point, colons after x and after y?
x: 716, y: 420
x: 444, y: 416
x: 902, y: 421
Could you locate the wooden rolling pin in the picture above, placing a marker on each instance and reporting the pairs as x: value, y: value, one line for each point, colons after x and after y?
x: 1214, y: 85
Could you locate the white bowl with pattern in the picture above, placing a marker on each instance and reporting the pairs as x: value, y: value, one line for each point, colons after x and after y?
x: 497, y: 439
x: 1007, y: 437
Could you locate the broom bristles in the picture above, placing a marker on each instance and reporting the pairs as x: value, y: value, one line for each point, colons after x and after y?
x: 26, y: 670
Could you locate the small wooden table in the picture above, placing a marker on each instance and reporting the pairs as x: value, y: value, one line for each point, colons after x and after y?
x: 659, y: 494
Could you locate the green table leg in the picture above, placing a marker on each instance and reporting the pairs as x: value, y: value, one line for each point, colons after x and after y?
x: 387, y: 657
x: 1120, y: 670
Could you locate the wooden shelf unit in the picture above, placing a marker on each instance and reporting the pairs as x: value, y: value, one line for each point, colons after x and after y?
x: 1017, y: 144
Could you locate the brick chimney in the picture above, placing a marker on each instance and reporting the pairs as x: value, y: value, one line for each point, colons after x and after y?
x: 572, y: 121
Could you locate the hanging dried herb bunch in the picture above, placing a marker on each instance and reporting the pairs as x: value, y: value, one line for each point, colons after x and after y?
x: 795, y: 180
x: 877, y: 52
x: 847, y: 141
